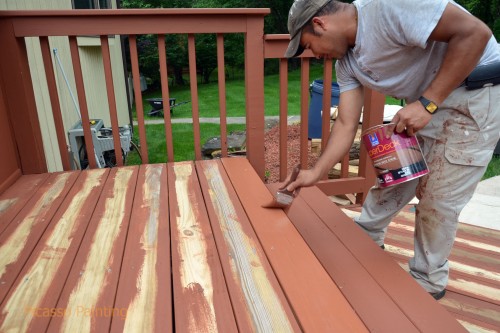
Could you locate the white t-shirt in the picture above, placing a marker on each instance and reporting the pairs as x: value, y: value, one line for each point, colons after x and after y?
x: 392, y: 54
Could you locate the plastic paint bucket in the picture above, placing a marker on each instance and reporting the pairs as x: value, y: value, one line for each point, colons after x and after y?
x: 397, y: 159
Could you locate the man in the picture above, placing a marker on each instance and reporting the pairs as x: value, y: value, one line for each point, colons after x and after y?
x: 420, y: 51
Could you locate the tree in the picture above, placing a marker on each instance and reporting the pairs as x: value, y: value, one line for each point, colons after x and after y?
x: 486, y: 10
x: 206, y: 59
x: 176, y: 45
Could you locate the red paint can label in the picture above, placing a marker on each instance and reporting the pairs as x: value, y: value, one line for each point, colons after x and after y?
x: 396, y: 159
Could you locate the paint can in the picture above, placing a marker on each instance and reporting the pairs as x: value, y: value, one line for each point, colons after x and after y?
x: 396, y: 159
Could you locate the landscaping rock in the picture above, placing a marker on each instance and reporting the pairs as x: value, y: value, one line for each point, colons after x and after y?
x: 235, y: 142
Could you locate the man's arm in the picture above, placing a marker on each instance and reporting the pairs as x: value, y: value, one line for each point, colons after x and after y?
x: 467, y: 37
x: 340, y: 140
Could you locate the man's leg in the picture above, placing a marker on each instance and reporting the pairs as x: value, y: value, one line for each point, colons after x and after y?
x: 458, y: 144
x: 442, y: 196
x: 381, y: 205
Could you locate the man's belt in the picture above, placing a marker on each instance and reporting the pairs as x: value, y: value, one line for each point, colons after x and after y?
x: 483, y: 76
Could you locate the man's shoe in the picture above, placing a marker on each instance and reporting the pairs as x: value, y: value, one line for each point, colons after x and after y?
x: 438, y: 295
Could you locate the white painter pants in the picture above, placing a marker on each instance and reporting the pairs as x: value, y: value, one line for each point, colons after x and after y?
x: 458, y: 144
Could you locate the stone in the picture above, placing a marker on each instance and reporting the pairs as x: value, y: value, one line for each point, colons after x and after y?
x: 235, y: 142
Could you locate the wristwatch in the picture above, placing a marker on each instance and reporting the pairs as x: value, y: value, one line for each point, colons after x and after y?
x: 430, y: 106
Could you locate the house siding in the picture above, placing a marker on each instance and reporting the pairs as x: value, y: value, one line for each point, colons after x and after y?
x: 93, y: 75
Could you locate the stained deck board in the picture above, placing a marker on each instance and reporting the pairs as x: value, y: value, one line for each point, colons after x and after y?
x: 144, y: 288
x: 404, y: 291
x: 473, y: 262
x: 468, y: 267
x: 200, y: 295
x: 471, y: 297
x: 39, y: 284
x: 16, y: 196
x: 466, y: 271
x: 481, y: 240
x: 258, y: 301
x: 475, y: 326
x: 293, y: 262
x: 371, y: 302
x: 474, y: 252
x: 477, y: 310
x: 90, y: 288
x: 21, y: 236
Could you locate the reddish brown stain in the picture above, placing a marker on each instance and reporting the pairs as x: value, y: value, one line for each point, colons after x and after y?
x: 200, y: 311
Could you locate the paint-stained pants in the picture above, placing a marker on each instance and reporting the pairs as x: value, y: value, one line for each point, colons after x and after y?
x: 458, y: 144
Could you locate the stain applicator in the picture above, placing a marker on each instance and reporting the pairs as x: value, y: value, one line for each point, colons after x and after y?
x: 284, y: 197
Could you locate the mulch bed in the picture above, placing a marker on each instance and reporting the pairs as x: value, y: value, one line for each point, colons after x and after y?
x: 271, y: 154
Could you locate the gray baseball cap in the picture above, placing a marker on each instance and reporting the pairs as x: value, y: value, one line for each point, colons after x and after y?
x: 301, y: 12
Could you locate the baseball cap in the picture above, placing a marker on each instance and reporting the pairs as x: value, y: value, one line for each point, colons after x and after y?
x: 300, y: 13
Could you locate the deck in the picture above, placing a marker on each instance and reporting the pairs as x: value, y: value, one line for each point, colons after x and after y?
x: 187, y: 247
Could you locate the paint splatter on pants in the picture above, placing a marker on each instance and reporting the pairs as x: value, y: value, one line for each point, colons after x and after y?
x: 457, y: 144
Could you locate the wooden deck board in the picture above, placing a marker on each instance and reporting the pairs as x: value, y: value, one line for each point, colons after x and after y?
x: 472, y: 308
x: 16, y: 196
x: 293, y: 262
x: 258, y: 302
x: 89, y: 292
x: 371, y: 302
x: 144, y: 288
x: 405, y: 292
x: 474, y: 285
x: 474, y: 261
x: 157, y: 247
x: 201, y: 300
x: 21, y: 236
x: 39, y: 284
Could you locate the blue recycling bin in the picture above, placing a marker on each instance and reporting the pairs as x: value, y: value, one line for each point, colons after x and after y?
x: 316, y: 104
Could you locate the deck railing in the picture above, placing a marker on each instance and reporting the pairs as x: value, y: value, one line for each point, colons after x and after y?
x: 18, y: 100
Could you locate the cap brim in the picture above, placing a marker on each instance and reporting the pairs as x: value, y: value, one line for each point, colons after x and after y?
x: 294, y: 48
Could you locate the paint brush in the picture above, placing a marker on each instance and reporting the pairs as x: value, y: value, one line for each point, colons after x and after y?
x: 284, y: 197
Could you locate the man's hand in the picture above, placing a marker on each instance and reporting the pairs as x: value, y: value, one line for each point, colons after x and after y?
x: 412, y: 117
x: 304, y: 179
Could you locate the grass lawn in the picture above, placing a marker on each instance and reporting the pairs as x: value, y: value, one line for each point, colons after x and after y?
x: 208, y: 96
x: 493, y: 168
x: 183, y: 141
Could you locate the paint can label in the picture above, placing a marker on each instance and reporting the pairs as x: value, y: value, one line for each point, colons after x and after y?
x: 396, y: 159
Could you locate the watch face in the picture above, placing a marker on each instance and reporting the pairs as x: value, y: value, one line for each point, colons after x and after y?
x: 431, y: 107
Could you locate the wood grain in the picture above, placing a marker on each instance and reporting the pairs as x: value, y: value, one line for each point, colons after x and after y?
x: 201, y: 300
x: 475, y: 249
x: 90, y: 251
x: 32, y: 300
x: 316, y: 300
x: 144, y: 286
x: 23, y: 233
x: 375, y: 308
x: 254, y: 289
x: 17, y: 195
x: 420, y: 308
x: 89, y: 292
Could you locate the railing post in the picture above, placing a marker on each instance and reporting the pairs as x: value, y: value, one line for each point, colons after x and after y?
x: 372, y: 115
x: 254, y: 88
x: 20, y: 100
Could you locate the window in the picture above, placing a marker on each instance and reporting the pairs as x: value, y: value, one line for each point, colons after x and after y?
x: 91, y: 4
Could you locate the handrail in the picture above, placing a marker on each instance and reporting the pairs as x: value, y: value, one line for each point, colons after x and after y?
x: 20, y: 100
x: 129, y: 21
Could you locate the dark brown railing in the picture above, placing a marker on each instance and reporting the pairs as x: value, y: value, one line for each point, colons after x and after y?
x: 18, y: 100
